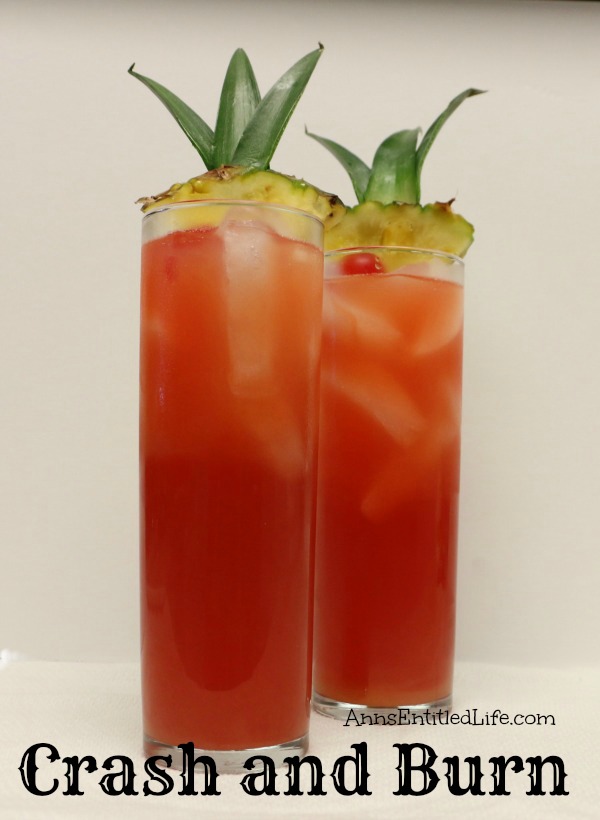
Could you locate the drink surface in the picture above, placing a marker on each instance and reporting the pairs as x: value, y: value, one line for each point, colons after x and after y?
x: 229, y: 355
x: 388, y: 486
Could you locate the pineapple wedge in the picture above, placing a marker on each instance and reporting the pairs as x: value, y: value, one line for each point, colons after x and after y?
x: 389, y: 193
x: 238, y: 152
x: 238, y: 182
x: 433, y: 227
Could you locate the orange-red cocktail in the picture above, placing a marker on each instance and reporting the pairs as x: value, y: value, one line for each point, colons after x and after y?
x: 388, y: 480
x: 230, y: 338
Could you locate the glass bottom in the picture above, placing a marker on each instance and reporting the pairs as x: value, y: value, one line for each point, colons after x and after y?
x: 343, y: 711
x: 229, y: 761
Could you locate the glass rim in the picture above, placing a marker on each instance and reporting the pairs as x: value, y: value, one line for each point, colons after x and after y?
x: 191, y: 203
x: 452, y: 257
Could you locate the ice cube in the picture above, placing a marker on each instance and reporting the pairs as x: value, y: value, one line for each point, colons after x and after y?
x: 448, y: 406
x: 382, y: 398
x: 405, y: 472
x: 429, y: 310
x: 276, y: 433
x: 255, y: 294
x: 250, y: 253
x: 356, y: 323
x: 388, y: 489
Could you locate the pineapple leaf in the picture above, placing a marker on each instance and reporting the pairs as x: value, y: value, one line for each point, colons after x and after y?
x: 357, y: 170
x: 435, y: 128
x: 394, y: 173
x: 198, y: 132
x: 239, y: 99
x: 262, y: 134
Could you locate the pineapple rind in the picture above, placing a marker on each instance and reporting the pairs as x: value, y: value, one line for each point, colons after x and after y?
x: 432, y: 227
x: 239, y: 183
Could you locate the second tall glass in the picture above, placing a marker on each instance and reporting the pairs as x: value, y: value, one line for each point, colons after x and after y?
x: 388, y: 480
x: 230, y: 339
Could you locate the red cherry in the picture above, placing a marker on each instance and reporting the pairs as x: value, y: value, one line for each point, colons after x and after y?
x: 367, y: 263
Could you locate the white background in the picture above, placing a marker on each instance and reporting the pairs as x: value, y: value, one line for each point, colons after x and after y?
x: 80, y: 140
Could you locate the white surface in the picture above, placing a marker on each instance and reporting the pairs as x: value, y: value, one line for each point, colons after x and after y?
x: 94, y: 709
x: 80, y: 140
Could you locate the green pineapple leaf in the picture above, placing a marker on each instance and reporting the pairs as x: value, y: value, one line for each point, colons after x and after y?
x: 262, y: 134
x: 357, y: 170
x: 434, y: 130
x: 398, y: 162
x: 394, y: 173
x: 239, y: 99
x: 198, y: 132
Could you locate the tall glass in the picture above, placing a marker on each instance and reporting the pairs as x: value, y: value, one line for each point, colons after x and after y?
x: 230, y: 339
x: 388, y: 480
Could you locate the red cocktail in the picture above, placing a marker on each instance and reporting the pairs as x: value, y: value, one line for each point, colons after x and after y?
x: 388, y: 479
x: 230, y: 338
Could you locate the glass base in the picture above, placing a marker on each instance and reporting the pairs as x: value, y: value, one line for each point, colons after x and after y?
x: 343, y: 711
x: 229, y: 761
